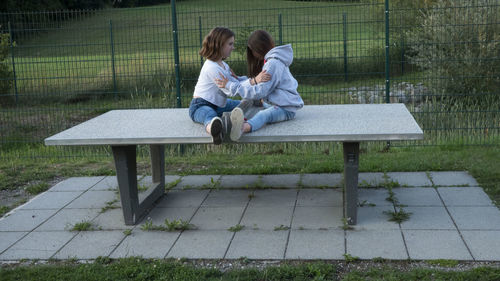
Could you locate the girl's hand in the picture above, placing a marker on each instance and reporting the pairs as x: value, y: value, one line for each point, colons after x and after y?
x: 232, y: 74
x: 221, y: 83
x: 263, y: 77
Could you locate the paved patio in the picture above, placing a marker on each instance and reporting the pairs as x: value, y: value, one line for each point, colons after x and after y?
x: 284, y: 217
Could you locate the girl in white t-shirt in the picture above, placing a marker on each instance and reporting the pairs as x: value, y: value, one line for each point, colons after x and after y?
x: 209, y: 101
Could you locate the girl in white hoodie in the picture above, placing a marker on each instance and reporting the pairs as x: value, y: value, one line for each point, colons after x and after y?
x: 279, y: 94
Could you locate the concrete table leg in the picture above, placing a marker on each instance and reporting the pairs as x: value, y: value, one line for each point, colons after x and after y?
x: 351, y: 163
x: 126, y: 173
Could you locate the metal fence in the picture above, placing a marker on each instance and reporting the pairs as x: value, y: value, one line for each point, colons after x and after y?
x: 440, y: 58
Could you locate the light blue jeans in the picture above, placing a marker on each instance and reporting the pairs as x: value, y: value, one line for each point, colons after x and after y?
x: 201, y: 111
x: 270, y: 114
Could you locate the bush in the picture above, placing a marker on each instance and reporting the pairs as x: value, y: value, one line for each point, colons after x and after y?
x: 5, y: 72
x: 459, y: 47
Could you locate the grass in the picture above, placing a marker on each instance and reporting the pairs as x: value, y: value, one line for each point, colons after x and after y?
x: 169, y: 225
x: 142, y: 269
x: 398, y: 216
x: 83, y: 226
x: 236, y: 228
x: 37, y: 188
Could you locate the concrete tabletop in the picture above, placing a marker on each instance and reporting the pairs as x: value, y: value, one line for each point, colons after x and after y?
x: 353, y: 122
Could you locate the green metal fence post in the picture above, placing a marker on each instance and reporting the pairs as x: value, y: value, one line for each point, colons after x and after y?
x: 280, y: 28
x: 176, y: 54
x: 344, y: 34
x: 115, y: 91
x: 13, y: 61
x: 387, y: 65
x: 201, y: 39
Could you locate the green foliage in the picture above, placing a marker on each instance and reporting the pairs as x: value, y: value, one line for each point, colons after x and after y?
x: 398, y: 216
x: 443, y: 262
x: 236, y: 228
x: 140, y: 269
x: 456, y: 45
x: 37, y: 188
x: 3, y: 210
x: 82, y: 226
x: 5, y: 71
x: 169, y: 225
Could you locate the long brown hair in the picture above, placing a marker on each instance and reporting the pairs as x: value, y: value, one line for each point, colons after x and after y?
x: 260, y: 42
x: 211, y: 47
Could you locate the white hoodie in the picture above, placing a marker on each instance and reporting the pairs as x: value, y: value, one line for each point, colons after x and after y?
x: 281, y: 90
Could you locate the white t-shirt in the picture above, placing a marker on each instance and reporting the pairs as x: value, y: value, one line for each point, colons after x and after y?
x: 207, y: 89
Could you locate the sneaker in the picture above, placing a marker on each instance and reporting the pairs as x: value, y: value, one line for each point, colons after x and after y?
x: 226, y: 126
x: 237, y: 120
x: 216, y: 130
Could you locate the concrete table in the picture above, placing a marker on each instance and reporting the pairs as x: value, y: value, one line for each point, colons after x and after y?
x: 123, y: 130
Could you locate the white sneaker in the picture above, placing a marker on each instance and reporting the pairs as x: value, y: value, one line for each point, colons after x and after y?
x: 237, y: 119
x: 216, y: 130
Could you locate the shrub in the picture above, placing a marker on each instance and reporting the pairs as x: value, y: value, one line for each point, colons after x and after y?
x: 457, y: 46
x: 5, y: 72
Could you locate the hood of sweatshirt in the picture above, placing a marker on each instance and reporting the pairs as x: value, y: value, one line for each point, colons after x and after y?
x: 283, y: 53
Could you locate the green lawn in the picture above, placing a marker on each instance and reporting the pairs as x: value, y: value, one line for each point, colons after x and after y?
x: 140, y: 269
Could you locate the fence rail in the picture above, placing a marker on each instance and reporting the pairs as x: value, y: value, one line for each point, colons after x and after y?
x: 64, y: 67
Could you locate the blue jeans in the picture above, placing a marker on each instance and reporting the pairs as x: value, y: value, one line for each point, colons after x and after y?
x: 270, y: 114
x: 202, y: 111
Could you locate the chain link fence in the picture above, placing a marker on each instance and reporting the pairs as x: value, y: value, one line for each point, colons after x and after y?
x: 440, y: 58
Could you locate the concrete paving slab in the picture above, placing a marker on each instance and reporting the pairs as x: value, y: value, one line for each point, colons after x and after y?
x: 7, y: 239
x: 158, y: 215
x: 464, y: 196
x: 315, y: 218
x: 281, y: 181
x: 171, y: 181
x: 25, y: 220
x: 274, y: 197
x: 435, y: 244
x: 111, y: 220
x: 65, y: 219
x: 183, y: 198
x: 38, y: 245
x: 313, y: 244
x: 93, y: 200
x: 415, y: 196
x: 77, y: 184
x: 377, y: 196
x: 228, y: 198
x: 146, y: 244
x: 91, y: 244
x: 453, y: 178
x: 387, y: 244
x: 51, y: 200
x: 258, y: 244
x: 240, y: 181
x: 197, y: 181
x: 217, y: 218
x: 410, y: 178
x: 371, y: 179
x: 322, y: 180
x: 484, y: 245
x: 435, y: 218
x: 267, y: 218
x: 476, y: 218
x: 320, y: 197
x: 374, y: 218
x: 109, y: 183
x: 201, y: 244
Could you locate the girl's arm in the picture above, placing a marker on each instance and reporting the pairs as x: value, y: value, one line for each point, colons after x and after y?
x: 248, y: 91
